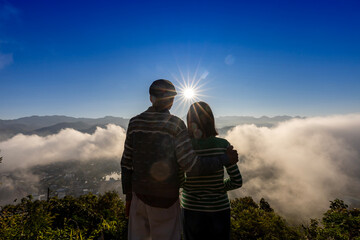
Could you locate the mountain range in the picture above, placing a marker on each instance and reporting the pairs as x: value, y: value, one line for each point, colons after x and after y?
x: 46, y: 125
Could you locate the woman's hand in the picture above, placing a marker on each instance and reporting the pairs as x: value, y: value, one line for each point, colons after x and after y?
x: 232, y: 155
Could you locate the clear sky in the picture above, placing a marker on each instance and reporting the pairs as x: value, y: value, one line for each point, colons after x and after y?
x: 98, y: 58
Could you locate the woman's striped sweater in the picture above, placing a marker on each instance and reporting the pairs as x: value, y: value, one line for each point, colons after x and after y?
x: 209, y: 193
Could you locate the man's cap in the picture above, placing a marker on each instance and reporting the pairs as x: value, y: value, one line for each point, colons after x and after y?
x: 162, y: 88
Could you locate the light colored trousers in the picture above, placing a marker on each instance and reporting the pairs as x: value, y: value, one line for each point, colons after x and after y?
x: 152, y: 223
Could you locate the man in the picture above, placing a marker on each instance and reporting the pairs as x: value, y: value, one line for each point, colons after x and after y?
x: 157, y: 146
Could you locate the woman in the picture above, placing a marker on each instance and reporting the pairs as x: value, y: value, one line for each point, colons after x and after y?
x: 206, y: 207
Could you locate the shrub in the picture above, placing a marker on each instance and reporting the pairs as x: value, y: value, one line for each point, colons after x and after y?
x: 251, y: 221
x: 86, y: 217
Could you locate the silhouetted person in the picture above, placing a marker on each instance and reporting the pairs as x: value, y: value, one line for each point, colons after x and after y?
x: 157, y: 146
x: 206, y: 207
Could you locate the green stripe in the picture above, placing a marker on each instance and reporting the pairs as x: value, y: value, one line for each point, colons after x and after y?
x: 186, y: 199
x: 205, y: 205
x: 232, y: 168
x: 217, y: 174
x: 215, y: 182
x: 237, y: 177
x: 210, y: 198
x: 211, y: 188
x: 203, y: 199
x: 205, y: 192
x: 202, y: 152
x: 202, y: 181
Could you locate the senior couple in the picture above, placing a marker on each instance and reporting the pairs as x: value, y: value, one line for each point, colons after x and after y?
x: 161, y: 156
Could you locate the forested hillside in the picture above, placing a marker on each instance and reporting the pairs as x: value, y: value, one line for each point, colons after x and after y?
x: 103, y: 217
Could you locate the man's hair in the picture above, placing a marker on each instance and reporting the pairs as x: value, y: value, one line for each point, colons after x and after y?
x: 162, y: 88
x: 200, y: 121
x: 163, y: 93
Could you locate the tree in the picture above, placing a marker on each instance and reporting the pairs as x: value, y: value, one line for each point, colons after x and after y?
x: 339, y: 222
x: 251, y: 221
x: 86, y: 217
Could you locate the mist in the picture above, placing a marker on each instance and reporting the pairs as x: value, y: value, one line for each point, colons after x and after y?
x: 300, y: 165
x: 25, y: 151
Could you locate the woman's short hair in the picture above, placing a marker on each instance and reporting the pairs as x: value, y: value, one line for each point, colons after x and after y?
x: 200, y: 121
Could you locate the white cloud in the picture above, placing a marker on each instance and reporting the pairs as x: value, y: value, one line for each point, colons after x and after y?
x: 24, y: 151
x: 300, y: 165
x: 10, y: 189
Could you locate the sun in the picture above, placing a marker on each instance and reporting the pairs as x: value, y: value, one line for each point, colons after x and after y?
x: 189, y: 93
x: 190, y: 90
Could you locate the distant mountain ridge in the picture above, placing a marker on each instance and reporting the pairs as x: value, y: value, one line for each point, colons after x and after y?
x: 265, y: 121
x: 36, y: 122
x: 46, y: 125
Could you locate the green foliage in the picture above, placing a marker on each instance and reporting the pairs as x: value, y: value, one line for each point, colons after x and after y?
x: 86, y: 217
x: 251, y: 221
x: 338, y: 222
x: 103, y: 217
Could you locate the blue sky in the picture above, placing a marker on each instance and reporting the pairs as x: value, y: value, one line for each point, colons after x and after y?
x: 98, y: 58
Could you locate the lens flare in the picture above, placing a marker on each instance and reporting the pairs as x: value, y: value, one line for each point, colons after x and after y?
x: 190, y: 89
x: 189, y: 93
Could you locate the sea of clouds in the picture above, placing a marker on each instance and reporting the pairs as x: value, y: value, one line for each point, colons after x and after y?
x: 24, y: 151
x: 302, y: 164
x: 298, y: 165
